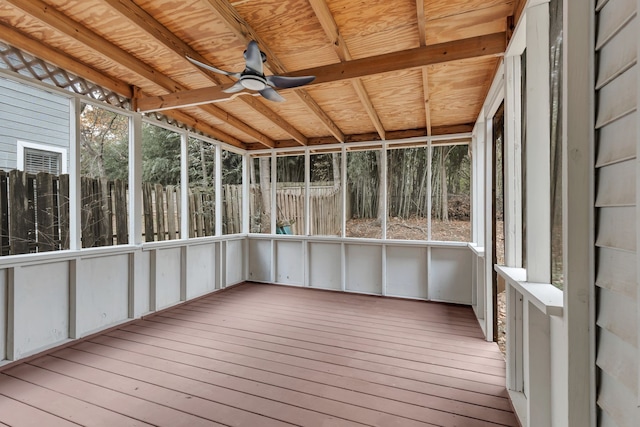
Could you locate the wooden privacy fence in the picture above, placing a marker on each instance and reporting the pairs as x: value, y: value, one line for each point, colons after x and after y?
x: 34, y: 211
x: 325, y: 210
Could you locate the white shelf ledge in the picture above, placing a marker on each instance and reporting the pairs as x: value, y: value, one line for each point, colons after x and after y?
x: 546, y: 297
x: 478, y: 250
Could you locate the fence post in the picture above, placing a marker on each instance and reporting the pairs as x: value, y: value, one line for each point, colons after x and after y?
x: 19, y: 232
x: 44, y: 212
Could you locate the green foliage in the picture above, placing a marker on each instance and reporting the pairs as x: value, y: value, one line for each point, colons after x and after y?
x: 363, y: 177
x: 104, y: 142
x: 231, y: 168
x: 160, y: 155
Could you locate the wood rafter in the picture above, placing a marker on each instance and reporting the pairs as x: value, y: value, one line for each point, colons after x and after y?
x: 151, y: 26
x: 422, y: 31
x: 324, y: 15
x: 488, y: 45
x: 225, y: 12
x: 59, y: 59
x: 71, y: 28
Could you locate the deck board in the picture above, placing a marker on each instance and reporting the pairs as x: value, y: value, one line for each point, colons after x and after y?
x: 265, y: 355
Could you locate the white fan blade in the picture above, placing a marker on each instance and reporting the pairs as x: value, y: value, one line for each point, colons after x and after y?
x: 271, y: 95
x: 288, y: 82
x: 253, y: 57
x: 237, y: 87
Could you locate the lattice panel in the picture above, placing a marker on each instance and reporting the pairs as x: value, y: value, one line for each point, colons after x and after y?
x: 14, y: 59
x: 27, y: 65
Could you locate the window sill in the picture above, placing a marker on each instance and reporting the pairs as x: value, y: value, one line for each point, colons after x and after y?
x: 546, y: 297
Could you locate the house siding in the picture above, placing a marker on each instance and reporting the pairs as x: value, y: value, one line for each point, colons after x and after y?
x: 616, y: 225
x: 33, y: 115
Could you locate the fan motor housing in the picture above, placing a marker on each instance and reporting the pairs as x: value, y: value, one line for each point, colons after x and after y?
x: 253, y: 82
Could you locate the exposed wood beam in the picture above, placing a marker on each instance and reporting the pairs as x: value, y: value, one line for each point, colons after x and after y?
x: 328, y: 23
x: 71, y: 28
x: 60, y: 59
x: 206, y: 128
x: 458, y: 129
x: 225, y: 12
x: 474, y: 47
x: 422, y: 34
x: 139, y: 17
x: 493, y: 44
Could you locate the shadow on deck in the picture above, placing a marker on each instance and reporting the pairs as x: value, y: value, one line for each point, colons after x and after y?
x: 265, y: 355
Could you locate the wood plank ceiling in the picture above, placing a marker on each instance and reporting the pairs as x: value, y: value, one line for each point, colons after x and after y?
x: 384, y: 69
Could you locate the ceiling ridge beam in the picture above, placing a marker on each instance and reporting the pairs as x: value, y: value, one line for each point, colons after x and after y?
x: 475, y: 47
x: 241, y: 28
x: 60, y: 22
x: 154, y: 28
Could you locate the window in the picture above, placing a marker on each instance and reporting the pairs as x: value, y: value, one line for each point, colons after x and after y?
x: 34, y: 158
x: 104, y: 170
x: 450, y: 193
x: 325, y: 194
x: 290, y: 194
x: 555, y: 73
x: 407, y: 193
x: 231, y: 192
x: 161, y: 183
x: 202, y: 189
x: 364, y: 210
x: 260, y: 194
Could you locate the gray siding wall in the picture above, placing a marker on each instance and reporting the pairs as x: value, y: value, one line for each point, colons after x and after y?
x: 616, y: 273
x: 33, y: 115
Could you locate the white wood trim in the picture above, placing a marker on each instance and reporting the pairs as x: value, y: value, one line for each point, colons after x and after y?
x: 184, y: 186
x: 307, y: 184
x: 538, y: 143
x: 544, y: 296
x: 537, y: 372
x: 447, y: 139
x: 496, y: 92
x: 218, y: 185
x: 343, y: 176
x: 135, y: 179
x: 245, y: 194
x: 518, y: 41
x: 274, y: 186
x: 75, y: 204
x: 578, y: 158
x: 488, y: 229
x: 511, y: 140
x: 383, y: 164
x: 42, y: 147
x: 637, y: 223
x: 429, y: 191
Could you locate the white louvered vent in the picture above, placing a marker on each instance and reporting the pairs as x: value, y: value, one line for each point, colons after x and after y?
x: 42, y: 161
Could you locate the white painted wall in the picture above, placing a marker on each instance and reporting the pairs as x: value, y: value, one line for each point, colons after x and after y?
x: 101, y: 292
x: 47, y: 299
x: 420, y: 270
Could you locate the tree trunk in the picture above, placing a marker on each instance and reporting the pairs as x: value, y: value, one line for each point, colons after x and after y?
x: 337, y: 171
x: 443, y: 187
x: 265, y: 193
x: 381, y: 209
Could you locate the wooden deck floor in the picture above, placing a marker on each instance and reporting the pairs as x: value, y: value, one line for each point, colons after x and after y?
x: 265, y: 355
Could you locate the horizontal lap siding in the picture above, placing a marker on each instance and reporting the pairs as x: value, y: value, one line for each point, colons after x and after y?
x: 616, y: 238
x: 30, y: 114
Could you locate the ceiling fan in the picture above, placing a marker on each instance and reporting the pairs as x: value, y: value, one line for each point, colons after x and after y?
x: 253, y: 77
